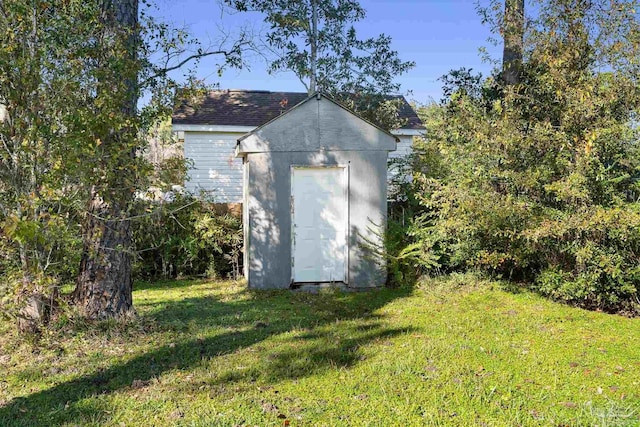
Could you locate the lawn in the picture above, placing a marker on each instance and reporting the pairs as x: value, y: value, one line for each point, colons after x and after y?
x: 457, y: 351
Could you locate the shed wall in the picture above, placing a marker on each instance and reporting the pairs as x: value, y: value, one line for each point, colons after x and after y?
x: 269, y: 213
x: 317, y: 125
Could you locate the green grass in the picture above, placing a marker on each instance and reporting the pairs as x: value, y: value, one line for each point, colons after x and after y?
x: 458, y: 352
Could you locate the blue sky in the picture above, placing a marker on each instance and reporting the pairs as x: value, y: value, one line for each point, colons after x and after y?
x: 439, y: 35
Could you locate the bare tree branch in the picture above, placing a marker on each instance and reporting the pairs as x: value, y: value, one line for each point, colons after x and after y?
x: 168, y: 69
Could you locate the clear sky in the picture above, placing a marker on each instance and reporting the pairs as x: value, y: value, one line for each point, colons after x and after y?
x: 439, y: 35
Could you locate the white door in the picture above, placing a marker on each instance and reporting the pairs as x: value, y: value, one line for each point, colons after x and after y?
x: 319, y: 224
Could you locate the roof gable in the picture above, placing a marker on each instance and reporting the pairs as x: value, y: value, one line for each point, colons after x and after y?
x: 317, y: 123
x: 255, y: 108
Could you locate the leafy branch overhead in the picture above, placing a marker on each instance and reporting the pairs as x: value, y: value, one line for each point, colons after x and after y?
x: 317, y: 40
x: 81, y: 83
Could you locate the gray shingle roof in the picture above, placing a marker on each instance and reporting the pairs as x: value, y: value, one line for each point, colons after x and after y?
x: 255, y: 107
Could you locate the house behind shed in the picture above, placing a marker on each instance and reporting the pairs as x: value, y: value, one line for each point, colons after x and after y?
x: 210, y: 126
x: 315, y: 191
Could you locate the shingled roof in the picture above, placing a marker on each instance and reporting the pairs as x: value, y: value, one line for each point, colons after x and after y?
x: 256, y: 107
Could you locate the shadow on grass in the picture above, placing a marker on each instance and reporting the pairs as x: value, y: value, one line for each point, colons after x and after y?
x: 318, y: 341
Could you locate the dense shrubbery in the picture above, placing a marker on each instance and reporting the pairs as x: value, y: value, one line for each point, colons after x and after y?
x: 188, y: 237
x: 400, y: 254
x: 39, y: 253
x: 540, y: 181
x: 591, y: 257
x: 406, y: 257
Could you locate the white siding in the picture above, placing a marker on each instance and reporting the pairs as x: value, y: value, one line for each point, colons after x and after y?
x: 403, y: 149
x: 215, y: 169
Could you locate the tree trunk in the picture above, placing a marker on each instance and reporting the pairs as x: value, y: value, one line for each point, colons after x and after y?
x: 103, y: 288
x: 104, y: 284
x: 313, y: 84
x: 513, y: 41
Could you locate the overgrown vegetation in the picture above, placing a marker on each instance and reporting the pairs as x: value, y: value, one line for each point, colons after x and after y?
x: 189, y: 237
x: 71, y: 131
x: 203, y: 353
x: 540, y: 181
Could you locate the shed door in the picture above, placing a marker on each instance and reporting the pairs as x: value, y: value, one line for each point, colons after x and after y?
x: 319, y: 224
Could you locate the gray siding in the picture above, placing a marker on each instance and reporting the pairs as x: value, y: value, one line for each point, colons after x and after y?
x: 269, y: 214
x: 316, y: 133
x: 217, y: 171
x: 317, y: 125
x: 299, y: 132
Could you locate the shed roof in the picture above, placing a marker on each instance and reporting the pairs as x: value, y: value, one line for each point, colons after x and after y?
x: 256, y: 107
x: 267, y: 136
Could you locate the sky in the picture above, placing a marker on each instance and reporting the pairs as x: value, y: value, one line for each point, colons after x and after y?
x: 439, y: 35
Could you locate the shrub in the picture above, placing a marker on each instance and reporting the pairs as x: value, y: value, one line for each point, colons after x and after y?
x: 539, y: 181
x: 591, y: 258
x: 188, y: 237
x: 39, y: 253
x: 404, y: 256
x: 570, y: 227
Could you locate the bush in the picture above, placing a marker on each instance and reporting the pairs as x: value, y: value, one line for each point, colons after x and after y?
x: 591, y: 258
x: 404, y: 256
x: 188, y: 237
x: 39, y: 254
x: 571, y: 228
x: 539, y: 181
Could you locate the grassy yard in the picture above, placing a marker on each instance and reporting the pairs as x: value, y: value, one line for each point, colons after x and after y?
x: 458, y: 352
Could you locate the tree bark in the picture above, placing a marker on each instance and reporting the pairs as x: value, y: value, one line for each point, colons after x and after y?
x: 313, y: 84
x: 513, y: 41
x: 104, y: 284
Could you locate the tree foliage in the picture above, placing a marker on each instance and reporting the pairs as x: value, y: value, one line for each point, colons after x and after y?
x: 542, y: 178
x: 188, y: 236
x: 42, y: 87
x: 71, y: 77
x: 317, y: 40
